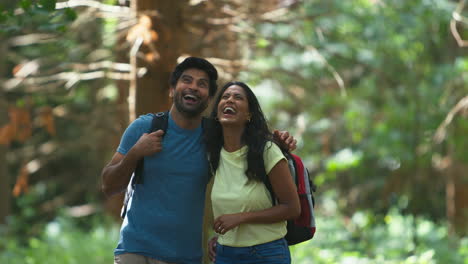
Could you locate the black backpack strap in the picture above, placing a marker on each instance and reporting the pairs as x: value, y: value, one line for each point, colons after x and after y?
x: 204, y: 123
x: 292, y: 168
x: 269, y: 187
x: 160, y: 122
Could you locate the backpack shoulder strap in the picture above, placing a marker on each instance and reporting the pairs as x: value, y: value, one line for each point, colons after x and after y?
x: 204, y: 123
x: 160, y: 121
x: 296, y: 168
x: 292, y: 168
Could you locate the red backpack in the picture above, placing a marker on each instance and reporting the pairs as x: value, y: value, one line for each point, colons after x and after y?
x: 302, y: 228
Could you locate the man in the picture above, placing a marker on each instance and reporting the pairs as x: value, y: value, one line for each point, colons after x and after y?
x: 163, y: 223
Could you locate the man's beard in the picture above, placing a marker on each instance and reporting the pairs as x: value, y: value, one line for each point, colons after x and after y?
x: 189, y: 112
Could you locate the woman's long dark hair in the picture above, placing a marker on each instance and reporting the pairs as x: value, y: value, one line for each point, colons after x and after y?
x: 256, y: 135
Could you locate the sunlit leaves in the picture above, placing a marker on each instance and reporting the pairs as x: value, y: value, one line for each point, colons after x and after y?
x: 462, y: 64
x: 66, y: 241
x: 401, y: 76
x: 263, y: 43
x: 365, y: 237
x: 343, y: 159
x: 36, y: 16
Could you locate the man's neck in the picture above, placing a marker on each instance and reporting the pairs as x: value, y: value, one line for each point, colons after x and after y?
x: 183, y: 121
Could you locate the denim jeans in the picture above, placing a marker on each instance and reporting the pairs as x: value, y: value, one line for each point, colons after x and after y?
x: 276, y: 252
x: 130, y: 258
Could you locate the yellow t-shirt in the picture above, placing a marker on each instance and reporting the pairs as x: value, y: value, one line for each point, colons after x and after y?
x: 234, y: 193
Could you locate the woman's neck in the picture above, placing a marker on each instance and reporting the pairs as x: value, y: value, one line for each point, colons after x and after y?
x: 232, y: 138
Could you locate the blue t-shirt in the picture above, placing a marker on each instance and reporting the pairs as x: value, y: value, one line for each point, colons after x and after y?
x: 165, y: 215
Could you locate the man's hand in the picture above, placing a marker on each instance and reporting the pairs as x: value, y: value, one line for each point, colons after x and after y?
x: 149, y: 144
x: 212, y: 248
x: 285, y: 140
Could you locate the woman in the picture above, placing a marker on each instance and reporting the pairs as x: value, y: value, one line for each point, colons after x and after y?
x: 243, y: 158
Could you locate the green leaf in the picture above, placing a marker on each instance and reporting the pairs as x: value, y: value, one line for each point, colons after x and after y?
x: 48, y: 5
x: 70, y: 14
x: 3, y: 17
x: 25, y: 4
x: 262, y: 43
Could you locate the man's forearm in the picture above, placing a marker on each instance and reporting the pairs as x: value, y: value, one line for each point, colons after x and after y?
x: 115, y: 177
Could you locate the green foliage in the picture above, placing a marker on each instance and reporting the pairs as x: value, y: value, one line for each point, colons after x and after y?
x: 371, y: 78
x: 64, y: 241
x: 362, y: 238
x: 362, y: 84
x: 35, y: 17
x: 367, y: 238
x: 68, y: 157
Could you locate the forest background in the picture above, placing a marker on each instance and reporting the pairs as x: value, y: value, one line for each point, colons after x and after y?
x: 375, y: 91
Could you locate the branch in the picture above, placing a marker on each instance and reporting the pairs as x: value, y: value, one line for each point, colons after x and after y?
x: 456, y: 16
x: 107, y: 10
x: 125, y: 11
x: 226, y: 20
x: 442, y: 129
x: 30, y: 39
x: 123, y: 67
x: 279, y: 15
x: 131, y: 99
x: 71, y: 78
x: 228, y: 63
x: 333, y: 71
x: 79, y: 73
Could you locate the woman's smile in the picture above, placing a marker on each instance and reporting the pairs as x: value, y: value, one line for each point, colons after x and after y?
x: 233, y: 107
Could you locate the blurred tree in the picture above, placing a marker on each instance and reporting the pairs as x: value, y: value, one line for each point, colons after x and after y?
x: 5, y: 183
x: 365, y: 84
x: 64, y: 89
x: 5, y: 196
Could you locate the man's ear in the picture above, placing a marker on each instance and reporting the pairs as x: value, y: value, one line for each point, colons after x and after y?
x: 171, y: 91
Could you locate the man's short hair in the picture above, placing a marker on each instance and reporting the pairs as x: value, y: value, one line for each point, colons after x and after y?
x: 200, y: 64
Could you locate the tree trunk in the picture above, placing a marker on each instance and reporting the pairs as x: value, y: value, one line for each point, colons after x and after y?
x: 457, y: 180
x: 5, y: 181
x: 457, y: 198
x: 152, y: 90
x: 150, y: 93
x: 5, y: 184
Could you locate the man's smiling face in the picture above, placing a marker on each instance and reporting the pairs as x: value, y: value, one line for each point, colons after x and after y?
x: 191, y: 94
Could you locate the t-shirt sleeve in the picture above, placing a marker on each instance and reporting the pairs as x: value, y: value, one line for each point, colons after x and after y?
x: 133, y: 132
x: 272, y: 155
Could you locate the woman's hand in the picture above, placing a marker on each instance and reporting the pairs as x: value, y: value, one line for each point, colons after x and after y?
x: 226, y: 222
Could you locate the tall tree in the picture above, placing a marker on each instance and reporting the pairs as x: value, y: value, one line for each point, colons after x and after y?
x: 160, y: 33
x: 5, y: 182
x: 5, y: 185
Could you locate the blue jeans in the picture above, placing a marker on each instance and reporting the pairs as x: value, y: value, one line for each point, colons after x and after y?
x: 276, y: 252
